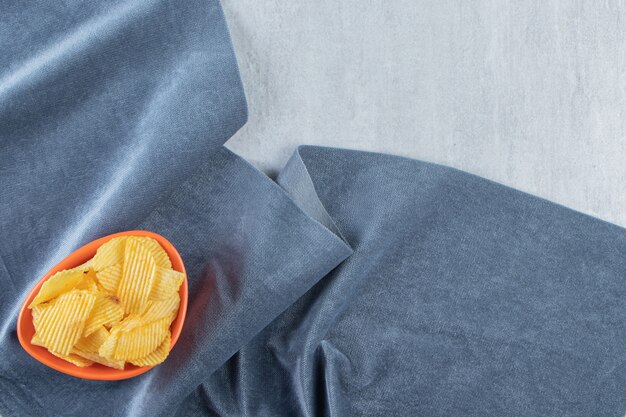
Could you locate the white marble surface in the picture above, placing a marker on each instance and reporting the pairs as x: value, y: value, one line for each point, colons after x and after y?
x: 531, y: 94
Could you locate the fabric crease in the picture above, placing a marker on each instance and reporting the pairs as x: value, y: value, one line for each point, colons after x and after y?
x: 356, y: 284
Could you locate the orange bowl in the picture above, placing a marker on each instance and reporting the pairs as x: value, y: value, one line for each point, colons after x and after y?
x: 26, y: 330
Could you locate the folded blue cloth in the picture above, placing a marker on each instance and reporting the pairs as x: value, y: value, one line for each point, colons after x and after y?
x: 356, y: 284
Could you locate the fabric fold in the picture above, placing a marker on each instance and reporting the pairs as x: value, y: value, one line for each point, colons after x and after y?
x: 109, y: 132
x: 295, y: 179
x: 250, y: 253
x: 250, y: 268
x: 118, y: 124
x: 359, y: 284
x: 462, y: 297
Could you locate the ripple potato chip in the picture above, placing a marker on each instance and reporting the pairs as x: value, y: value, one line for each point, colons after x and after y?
x: 110, y: 277
x: 107, y: 349
x: 61, y: 323
x: 88, y: 281
x: 102, y: 360
x: 75, y: 359
x: 137, y: 276
x: 141, y: 340
x: 107, y: 310
x: 37, y: 341
x: 111, y: 253
x: 156, y: 357
x: 59, y: 283
x: 36, y: 311
x: 91, y: 343
x: 158, y: 253
x: 88, y: 346
x: 161, y: 309
x: 115, y: 308
x: 166, y: 283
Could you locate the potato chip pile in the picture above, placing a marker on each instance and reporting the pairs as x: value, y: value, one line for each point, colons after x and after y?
x: 115, y: 308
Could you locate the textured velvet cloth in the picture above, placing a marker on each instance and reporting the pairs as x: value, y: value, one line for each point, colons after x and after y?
x: 356, y: 284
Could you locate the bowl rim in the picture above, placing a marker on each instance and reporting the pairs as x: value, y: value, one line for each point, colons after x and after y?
x: 97, y: 371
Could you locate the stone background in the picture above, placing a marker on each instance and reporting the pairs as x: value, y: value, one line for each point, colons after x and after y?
x: 531, y: 94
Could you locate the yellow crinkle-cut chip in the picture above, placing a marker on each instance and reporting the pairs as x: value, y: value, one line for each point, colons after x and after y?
x: 156, y: 357
x: 108, y: 347
x: 166, y: 283
x: 57, y: 284
x: 78, y: 314
x: 36, y: 341
x: 74, y: 359
x: 87, y: 347
x: 110, y: 277
x: 102, y: 360
x: 91, y: 343
x: 88, y: 281
x: 60, y: 324
x: 161, y: 257
x: 107, y: 310
x: 132, y: 321
x: 111, y: 253
x: 141, y: 340
x: 162, y: 309
x: 137, y: 276
x: 36, y: 311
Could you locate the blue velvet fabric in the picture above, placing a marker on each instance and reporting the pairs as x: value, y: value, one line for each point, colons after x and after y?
x: 356, y: 284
